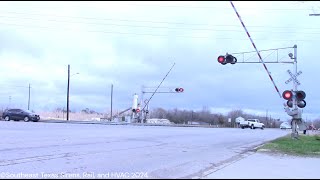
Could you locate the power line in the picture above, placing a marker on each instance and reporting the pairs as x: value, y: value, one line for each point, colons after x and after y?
x: 219, y: 8
x: 160, y: 27
x: 183, y: 6
x: 133, y: 20
x: 155, y: 35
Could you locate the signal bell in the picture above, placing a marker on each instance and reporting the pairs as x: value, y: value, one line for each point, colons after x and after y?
x: 297, y: 95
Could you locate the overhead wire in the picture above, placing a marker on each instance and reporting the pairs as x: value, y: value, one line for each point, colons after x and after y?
x: 148, y: 34
x: 134, y: 20
x: 144, y: 26
x: 222, y: 8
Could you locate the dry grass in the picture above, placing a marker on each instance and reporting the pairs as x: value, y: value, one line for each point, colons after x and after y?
x: 72, y: 116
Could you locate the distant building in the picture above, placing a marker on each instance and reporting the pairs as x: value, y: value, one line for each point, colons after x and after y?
x: 193, y: 123
x: 158, y: 121
x: 238, y: 120
x: 198, y: 123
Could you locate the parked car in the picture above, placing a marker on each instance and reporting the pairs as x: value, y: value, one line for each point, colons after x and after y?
x: 312, y: 127
x: 285, y: 125
x: 20, y: 114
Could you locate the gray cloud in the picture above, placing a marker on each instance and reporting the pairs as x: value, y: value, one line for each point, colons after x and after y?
x: 112, y: 51
x: 13, y: 43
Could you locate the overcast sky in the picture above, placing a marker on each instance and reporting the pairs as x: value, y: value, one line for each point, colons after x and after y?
x: 134, y: 44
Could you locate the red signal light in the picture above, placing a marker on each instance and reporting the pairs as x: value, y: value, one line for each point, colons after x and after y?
x: 221, y: 59
x: 287, y: 95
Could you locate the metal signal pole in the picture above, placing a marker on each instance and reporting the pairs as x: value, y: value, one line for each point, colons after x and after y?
x: 68, y: 92
x: 294, y: 133
x: 295, y: 85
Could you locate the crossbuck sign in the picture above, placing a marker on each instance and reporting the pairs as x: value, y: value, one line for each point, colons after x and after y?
x: 293, y: 77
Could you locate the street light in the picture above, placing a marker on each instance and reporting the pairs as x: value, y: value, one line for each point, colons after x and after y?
x: 68, y: 90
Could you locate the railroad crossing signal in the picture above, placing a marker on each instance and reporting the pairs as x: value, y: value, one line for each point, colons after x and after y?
x: 178, y: 90
x: 298, y: 95
x: 293, y: 77
x: 228, y: 58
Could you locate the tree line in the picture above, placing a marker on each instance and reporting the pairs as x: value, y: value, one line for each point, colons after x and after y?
x: 206, y: 117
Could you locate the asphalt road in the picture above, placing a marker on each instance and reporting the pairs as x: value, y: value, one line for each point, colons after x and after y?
x: 65, y: 150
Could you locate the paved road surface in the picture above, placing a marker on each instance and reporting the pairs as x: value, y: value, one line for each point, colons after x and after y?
x: 67, y: 150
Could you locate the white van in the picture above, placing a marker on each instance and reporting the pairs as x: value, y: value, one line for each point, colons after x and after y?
x: 285, y: 125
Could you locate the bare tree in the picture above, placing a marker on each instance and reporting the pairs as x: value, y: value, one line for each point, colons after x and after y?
x: 316, y: 123
x: 234, y: 114
x: 221, y: 120
x: 158, y: 113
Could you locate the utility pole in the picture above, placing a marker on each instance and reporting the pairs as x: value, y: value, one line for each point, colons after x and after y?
x: 9, y: 101
x: 68, y: 92
x: 192, y: 116
x: 142, y: 113
x: 267, y: 118
x: 111, y: 101
x: 29, y: 98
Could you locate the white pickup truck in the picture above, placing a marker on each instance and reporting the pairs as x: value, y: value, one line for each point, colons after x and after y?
x: 251, y: 123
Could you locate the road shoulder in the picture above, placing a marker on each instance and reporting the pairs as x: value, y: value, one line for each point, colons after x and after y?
x: 266, y: 164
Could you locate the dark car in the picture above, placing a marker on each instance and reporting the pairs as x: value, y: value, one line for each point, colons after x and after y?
x: 19, y: 114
